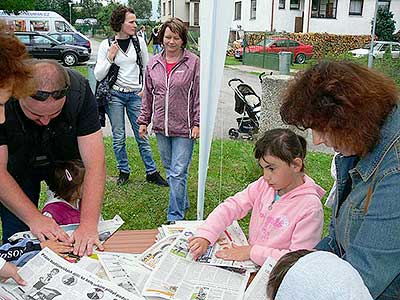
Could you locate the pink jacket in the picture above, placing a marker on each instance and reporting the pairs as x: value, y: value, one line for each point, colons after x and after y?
x: 172, y: 104
x: 294, y: 222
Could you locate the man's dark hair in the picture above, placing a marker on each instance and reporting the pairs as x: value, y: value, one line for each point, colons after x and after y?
x: 281, y: 143
x: 280, y: 270
x: 118, y: 17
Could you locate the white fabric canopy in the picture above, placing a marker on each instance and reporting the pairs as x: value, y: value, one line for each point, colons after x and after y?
x: 215, y: 19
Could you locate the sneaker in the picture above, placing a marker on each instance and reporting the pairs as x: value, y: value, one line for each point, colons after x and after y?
x: 156, y: 179
x: 122, y: 178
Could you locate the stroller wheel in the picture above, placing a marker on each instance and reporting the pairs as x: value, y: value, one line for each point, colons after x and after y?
x: 233, y: 133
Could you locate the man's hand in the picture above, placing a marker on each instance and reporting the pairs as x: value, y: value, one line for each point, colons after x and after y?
x: 198, y: 246
x: 238, y: 253
x: 57, y: 247
x: 143, y: 131
x: 84, y: 239
x: 44, y: 227
x: 195, y: 132
x: 10, y: 271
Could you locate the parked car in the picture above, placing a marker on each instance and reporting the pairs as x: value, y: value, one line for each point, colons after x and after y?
x: 43, y: 46
x: 300, y: 51
x: 380, y: 47
x: 72, y: 38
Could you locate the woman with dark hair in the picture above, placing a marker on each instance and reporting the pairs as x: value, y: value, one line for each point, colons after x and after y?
x: 171, y: 102
x: 129, y: 52
x: 355, y: 111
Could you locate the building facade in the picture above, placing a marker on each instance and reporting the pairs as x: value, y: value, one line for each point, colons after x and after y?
x: 186, y: 10
x: 331, y: 16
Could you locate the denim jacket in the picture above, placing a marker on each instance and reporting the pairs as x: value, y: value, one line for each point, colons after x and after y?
x: 370, y: 241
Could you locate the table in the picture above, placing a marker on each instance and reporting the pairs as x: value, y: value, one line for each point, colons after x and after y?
x: 131, y: 241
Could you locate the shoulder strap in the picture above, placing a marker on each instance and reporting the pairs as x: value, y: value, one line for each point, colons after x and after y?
x: 136, y: 44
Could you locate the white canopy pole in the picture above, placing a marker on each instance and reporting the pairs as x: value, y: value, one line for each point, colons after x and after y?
x: 215, y: 19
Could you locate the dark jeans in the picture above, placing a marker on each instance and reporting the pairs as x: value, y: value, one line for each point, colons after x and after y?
x: 31, y: 187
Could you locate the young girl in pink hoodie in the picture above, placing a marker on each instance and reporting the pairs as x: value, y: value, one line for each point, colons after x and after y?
x: 286, y: 205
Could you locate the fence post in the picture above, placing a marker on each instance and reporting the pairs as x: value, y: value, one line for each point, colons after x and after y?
x: 91, y: 78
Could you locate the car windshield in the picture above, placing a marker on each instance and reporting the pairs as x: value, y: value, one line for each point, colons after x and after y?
x: 265, y: 42
x: 368, y: 45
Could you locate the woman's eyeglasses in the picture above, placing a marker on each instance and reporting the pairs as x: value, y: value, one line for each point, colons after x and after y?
x: 43, y: 96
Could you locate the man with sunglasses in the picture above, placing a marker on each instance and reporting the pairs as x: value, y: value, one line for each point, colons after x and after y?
x: 58, y: 122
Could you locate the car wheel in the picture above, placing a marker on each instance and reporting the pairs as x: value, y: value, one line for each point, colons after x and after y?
x: 301, y: 58
x: 69, y: 59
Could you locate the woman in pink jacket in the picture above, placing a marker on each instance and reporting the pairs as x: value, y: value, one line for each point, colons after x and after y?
x: 286, y: 205
x: 171, y: 103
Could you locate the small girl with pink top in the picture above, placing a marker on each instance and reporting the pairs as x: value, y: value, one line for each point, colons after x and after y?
x: 286, y: 205
x: 66, y: 183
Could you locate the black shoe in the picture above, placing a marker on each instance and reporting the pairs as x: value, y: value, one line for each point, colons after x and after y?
x: 122, y: 178
x: 156, y: 179
x: 170, y: 222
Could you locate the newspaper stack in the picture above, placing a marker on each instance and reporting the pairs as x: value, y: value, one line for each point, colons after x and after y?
x: 106, y: 229
x: 178, y: 227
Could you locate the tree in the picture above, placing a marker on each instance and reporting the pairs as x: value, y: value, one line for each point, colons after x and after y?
x: 142, y: 8
x: 103, y: 17
x: 88, y: 9
x: 16, y: 6
x: 59, y: 6
x: 385, y: 25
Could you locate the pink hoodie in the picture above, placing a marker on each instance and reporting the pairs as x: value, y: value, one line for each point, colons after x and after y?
x: 294, y: 222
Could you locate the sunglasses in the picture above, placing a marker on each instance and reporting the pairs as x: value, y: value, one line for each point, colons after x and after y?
x: 43, y: 96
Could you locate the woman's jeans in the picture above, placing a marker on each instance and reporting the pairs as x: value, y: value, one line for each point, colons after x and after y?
x: 176, y: 154
x: 156, y: 49
x: 116, y: 113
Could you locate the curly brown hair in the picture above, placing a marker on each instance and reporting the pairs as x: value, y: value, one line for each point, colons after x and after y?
x: 347, y: 101
x: 177, y: 26
x: 16, y: 72
x: 118, y: 17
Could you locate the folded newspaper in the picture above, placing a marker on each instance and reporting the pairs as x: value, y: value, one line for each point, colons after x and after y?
x: 106, y: 229
x: 257, y: 289
x: 48, y: 276
x: 177, y: 277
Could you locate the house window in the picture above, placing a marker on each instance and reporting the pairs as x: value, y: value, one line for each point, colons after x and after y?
x: 163, y: 9
x: 253, y: 9
x: 169, y: 8
x: 294, y: 4
x: 282, y: 4
x: 238, y: 10
x: 324, y: 9
x: 356, y: 7
x: 196, y: 21
x: 384, y: 4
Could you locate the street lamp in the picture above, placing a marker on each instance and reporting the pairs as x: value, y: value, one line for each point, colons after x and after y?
x: 371, y: 49
x: 70, y: 12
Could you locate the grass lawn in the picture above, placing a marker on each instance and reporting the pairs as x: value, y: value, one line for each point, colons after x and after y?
x: 230, y: 60
x: 144, y: 206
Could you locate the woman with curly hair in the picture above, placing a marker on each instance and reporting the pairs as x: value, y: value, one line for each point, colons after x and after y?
x: 15, y: 76
x: 355, y: 111
x: 129, y: 53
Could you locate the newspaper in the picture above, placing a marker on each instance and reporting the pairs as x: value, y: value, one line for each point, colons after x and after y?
x: 48, y: 276
x: 232, y: 235
x: 176, y: 277
x: 151, y: 257
x: 178, y: 227
x: 257, y: 289
x: 105, y: 228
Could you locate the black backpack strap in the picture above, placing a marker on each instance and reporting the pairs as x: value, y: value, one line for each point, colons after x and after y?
x: 139, y: 61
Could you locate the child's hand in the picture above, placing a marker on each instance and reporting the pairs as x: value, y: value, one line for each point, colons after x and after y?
x: 10, y: 271
x: 198, y: 246
x: 238, y: 253
x: 57, y: 246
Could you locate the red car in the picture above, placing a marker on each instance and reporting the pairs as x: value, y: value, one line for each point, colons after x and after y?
x: 300, y: 51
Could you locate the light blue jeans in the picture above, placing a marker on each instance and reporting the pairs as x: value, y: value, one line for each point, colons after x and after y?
x: 176, y: 155
x: 157, y: 49
x: 116, y: 113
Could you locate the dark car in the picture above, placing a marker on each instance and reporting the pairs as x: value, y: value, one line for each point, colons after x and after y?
x: 43, y: 46
x: 72, y: 38
x: 300, y: 51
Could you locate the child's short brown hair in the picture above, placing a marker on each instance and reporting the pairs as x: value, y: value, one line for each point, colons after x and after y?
x: 67, y: 178
x: 281, y: 268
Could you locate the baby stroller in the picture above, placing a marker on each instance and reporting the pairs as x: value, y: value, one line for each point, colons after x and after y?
x: 248, y: 104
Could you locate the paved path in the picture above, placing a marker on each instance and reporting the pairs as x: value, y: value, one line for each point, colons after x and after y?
x: 226, y: 116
